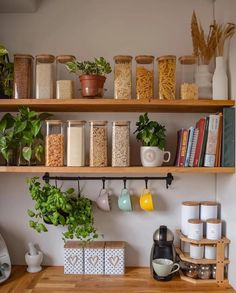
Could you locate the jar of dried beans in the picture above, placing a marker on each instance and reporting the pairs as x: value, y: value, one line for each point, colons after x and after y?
x: 54, y: 143
x: 98, y: 144
x: 167, y: 77
x: 188, y: 88
x: 144, y: 77
x: 44, y: 76
x: 123, y: 77
x: 120, y: 144
x: 23, y: 76
x: 65, y: 81
x: 75, y: 143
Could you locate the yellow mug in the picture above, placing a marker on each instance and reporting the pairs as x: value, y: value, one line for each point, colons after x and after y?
x: 146, y: 202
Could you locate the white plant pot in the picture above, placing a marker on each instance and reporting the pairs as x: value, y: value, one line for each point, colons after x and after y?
x: 203, y: 79
x: 152, y: 156
x: 34, y: 262
x: 220, y: 80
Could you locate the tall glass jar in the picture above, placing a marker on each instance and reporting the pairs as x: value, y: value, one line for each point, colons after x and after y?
x: 54, y: 148
x: 167, y: 77
x: 123, y: 77
x: 144, y: 77
x: 120, y: 144
x: 188, y: 87
x: 65, y: 82
x: 23, y: 76
x: 75, y: 143
x: 44, y: 77
x: 98, y: 144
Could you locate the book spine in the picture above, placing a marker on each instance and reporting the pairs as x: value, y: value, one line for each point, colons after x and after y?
x: 219, y: 142
x: 201, y: 126
x: 228, y: 140
x: 179, y: 142
x: 193, y: 149
x: 183, y: 147
x: 190, y: 141
x: 201, y: 163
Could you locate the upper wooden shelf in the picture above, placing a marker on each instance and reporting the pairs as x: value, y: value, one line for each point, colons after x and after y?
x: 113, y: 105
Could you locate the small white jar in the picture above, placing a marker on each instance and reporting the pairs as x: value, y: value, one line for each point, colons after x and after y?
x: 195, y: 229
x: 196, y: 251
x: 189, y: 210
x: 214, y: 229
x: 208, y: 210
x: 210, y: 252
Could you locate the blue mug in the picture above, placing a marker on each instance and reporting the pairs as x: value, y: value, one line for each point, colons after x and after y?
x: 124, y: 201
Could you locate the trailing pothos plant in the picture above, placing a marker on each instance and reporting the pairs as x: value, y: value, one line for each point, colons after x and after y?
x: 6, y: 74
x: 61, y: 208
x: 150, y: 133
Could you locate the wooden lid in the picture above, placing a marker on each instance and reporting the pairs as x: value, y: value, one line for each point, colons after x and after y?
x: 54, y: 121
x: 45, y: 58
x: 98, y: 122
x: 23, y: 56
x: 95, y: 245
x: 190, y: 203
x: 213, y: 221
x: 122, y: 58
x: 121, y: 123
x: 188, y: 59
x: 73, y: 244
x: 144, y: 59
x: 71, y: 122
x: 166, y: 57
x: 114, y: 244
x: 195, y: 221
x: 65, y: 58
x: 208, y: 203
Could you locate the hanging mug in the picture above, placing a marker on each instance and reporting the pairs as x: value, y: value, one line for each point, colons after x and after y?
x: 124, y: 201
x: 146, y: 202
x: 103, y: 200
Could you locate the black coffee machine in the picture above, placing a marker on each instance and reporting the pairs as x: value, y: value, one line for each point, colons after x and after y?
x: 163, y: 247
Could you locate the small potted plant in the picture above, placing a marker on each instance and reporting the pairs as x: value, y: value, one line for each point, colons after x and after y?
x: 61, y: 208
x: 6, y: 74
x: 91, y: 74
x: 153, y: 138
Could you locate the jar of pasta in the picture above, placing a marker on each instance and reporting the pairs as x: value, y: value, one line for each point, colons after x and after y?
x: 65, y: 80
x: 144, y: 77
x: 123, y: 77
x: 98, y: 144
x: 44, y: 79
x: 188, y: 88
x: 167, y: 77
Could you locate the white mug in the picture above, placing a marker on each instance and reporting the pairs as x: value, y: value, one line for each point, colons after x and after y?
x: 164, y: 267
x: 152, y: 156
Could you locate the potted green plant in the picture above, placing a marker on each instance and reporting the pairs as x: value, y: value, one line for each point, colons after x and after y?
x: 6, y: 74
x: 152, y: 135
x: 61, y: 208
x: 91, y: 74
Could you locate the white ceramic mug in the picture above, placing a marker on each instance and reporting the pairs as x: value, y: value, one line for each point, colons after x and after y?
x: 153, y: 156
x: 164, y: 267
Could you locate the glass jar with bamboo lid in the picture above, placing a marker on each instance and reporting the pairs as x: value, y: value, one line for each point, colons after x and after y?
x: 144, y: 77
x: 167, y: 77
x: 123, y: 77
x: 65, y: 82
x: 188, y: 87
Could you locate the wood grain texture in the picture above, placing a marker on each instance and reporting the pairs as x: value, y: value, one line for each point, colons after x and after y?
x: 223, y: 240
x: 138, y: 280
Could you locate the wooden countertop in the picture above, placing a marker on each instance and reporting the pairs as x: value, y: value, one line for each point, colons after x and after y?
x: 138, y: 280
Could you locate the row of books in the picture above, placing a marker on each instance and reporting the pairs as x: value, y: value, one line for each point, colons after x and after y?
x: 211, y: 143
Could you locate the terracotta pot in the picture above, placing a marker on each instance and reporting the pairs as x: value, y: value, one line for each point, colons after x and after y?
x: 92, y: 85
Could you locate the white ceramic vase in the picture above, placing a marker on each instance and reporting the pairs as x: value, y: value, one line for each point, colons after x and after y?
x: 203, y: 79
x: 152, y: 156
x: 220, y: 80
x: 34, y: 262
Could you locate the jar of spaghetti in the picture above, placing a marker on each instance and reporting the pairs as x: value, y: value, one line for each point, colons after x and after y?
x: 144, y: 77
x: 123, y: 77
x: 167, y: 77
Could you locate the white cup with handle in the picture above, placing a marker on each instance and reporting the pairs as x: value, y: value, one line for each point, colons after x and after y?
x: 164, y: 267
x: 152, y: 156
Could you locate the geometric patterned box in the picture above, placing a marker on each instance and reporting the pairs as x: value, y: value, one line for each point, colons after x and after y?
x: 94, y: 258
x: 114, y: 258
x: 73, y: 258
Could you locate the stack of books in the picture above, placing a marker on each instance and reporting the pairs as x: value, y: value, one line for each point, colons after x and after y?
x: 211, y: 143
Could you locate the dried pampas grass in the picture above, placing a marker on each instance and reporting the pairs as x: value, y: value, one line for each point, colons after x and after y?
x: 223, y: 33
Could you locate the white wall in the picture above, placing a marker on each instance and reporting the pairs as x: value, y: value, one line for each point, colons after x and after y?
x: 106, y: 28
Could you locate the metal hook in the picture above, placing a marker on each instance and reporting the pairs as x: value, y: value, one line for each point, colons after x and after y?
x: 146, y: 183
x: 124, y: 180
x: 79, y: 190
x: 103, y: 182
x: 56, y: 182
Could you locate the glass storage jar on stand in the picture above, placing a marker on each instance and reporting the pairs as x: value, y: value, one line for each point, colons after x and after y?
x: 120, y: 144
x: 188, y: 87
x: 98, y: 144
x: 75, y: 143
x: 204, y: 272
x: 45, y: 75
x: 23, y: 76
x: 144, y: 77
x: 65, y: 83
x: 123, y: 77
x: 54, y: 148
x: 167, y: 77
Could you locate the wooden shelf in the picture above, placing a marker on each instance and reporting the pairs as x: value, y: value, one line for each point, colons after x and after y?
x: 113, y: 170
x: 113, y: 105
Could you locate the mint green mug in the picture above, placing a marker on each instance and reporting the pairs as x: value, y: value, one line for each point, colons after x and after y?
x: 124, y: 201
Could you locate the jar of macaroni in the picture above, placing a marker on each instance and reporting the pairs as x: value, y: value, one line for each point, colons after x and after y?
x: 98, y: 144
x: 167, y: 77
x: 188, y: 87
x: 44, y: 77
x: 65, y: 82
x: 123, y: 77
x: 144, y: 77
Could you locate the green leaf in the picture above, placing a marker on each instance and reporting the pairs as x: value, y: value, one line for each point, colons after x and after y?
x: 27, y: 153
x: 31, y: 213
x: 20, y: 126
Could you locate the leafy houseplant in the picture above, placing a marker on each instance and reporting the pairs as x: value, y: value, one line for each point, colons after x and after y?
x: 61, y: 208
x: 6, y: 74
x: 153, y: 138
x: 91, y: 75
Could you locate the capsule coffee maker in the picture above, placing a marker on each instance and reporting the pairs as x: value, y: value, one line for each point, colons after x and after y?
x: 163, y: 247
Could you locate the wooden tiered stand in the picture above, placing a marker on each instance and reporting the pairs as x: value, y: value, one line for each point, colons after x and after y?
x: 220, y: 260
